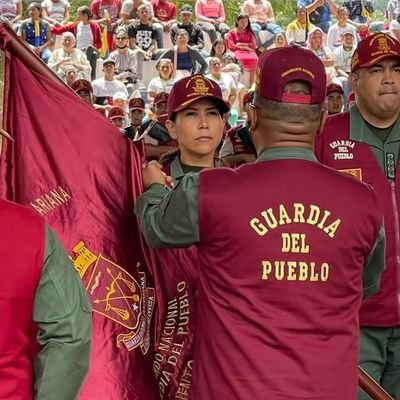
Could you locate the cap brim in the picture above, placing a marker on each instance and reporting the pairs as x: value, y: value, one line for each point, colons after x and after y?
x: 335, y: 91
x: 221, y: 104
x: 376, y: 60
x: 83, y: 90
x: 136, y: 108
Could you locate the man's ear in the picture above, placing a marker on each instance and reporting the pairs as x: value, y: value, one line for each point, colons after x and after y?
x: 170, y: 125
x: 253, y: 118
x: 353, y: 81
x: 322, y: 120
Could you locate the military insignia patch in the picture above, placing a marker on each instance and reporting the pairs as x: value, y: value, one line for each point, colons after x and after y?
x: 356, y: 172
x: 118, y: 296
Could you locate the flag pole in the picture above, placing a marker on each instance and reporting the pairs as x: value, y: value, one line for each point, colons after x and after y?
x: 370, y: 387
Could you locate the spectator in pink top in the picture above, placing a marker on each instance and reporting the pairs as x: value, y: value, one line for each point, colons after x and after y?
x: 262, y: 18
x: 210, y: 15
x: 242, y: 42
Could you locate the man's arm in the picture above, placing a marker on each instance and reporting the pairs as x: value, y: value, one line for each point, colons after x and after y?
x: 63, y: 314
x: 374, y: 266
x: 169, y: 218
x: 333, y: 7
x: 310, y: 7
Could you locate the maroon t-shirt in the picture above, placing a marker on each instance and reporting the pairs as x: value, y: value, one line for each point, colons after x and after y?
x: 164, y: 11
x: 280, y: 281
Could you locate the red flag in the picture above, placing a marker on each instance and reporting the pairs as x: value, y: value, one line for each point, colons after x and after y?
x: 176, y: 287
x: 75, y: 169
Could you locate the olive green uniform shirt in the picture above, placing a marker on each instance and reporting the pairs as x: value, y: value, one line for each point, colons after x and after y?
x: 170, y: 218
x: 361, y: 132
x: 63, y: 314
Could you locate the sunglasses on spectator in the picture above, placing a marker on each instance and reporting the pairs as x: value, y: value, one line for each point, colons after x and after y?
x: 164, y: 67
x: 215, y: 63
x: 121, y: 37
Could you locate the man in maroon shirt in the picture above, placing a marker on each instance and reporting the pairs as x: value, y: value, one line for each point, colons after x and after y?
x: 287, y: 248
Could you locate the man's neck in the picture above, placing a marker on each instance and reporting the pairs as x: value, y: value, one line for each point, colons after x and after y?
x: 378, y: 121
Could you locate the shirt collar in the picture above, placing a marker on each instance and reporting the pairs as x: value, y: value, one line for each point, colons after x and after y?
x: 176, y: 168
x: 288, y: 153
x: 360, y: 132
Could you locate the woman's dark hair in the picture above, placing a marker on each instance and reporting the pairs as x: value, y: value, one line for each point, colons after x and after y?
x: 35, y: 5
x: 182, y: 31
x: 214, y: 45
x: 86, y: 11
x: 244, y: 16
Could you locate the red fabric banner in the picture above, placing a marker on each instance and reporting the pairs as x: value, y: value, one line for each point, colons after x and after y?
x: 75, y: 169
x: 176, y: 288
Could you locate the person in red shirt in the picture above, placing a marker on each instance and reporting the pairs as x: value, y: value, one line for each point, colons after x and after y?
x: 164, y: 14
x: 287, y: 248
x: 106, y: 12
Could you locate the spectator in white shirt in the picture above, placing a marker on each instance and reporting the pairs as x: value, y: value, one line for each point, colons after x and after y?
x: 335, y: 32
x: 342, y: 58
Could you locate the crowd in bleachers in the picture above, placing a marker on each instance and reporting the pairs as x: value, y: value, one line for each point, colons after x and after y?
x: 139, y: 48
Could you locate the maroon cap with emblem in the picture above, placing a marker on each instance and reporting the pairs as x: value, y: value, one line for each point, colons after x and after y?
x: 277, y: 67
x: 373, y: 49
x: 160, y: 98
x: 136, y: 103
x: 116, y: 112
x: 193, y: 88
x: 82, y: 85
x: 334, y: 88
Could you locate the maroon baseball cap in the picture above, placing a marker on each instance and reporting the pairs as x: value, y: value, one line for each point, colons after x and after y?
x: 279, y: 66
x: 334, y: 88
x: 81, y: 85
x: 136, y: 103
x: 193, y: 88
x: 373, y: 49
x: 160, y: 98
x: 116, y: 112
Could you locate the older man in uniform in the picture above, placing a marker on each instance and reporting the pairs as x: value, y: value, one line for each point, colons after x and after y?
x: 365, y: 142
x: 287, y: 248
x: 45, y: 313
